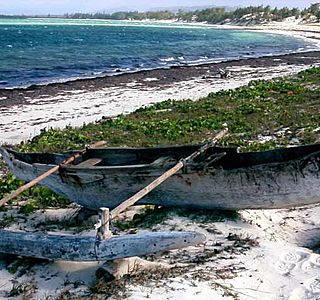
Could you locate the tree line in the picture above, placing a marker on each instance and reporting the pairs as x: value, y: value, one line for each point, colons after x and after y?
x: 213, y: 15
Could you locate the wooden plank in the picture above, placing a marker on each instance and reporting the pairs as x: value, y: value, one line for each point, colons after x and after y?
x: 88, y: 163
x: 35, y: 181
x: 87, y: 248
x: 135, y: 198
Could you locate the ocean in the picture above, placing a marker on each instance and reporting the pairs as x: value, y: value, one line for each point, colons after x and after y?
x: 42, y: 51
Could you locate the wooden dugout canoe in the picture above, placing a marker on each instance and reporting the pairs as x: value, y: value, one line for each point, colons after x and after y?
x: 88, y: 248
x: 219, y: 179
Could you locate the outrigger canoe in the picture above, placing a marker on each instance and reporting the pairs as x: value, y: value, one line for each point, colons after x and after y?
x: 89, y: 248
x: 220, y: 178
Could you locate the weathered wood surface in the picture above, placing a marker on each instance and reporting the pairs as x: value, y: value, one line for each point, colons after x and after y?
x: 54, y: 169
x: 146, y: 190
x: 88, y: 248
x: 279, y: 178
x: 103, y: 229
x: 89, y: 163
x: 165, y: 176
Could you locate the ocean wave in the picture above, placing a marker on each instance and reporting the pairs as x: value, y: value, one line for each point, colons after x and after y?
x: 87, y: 52
x: 167, y: 59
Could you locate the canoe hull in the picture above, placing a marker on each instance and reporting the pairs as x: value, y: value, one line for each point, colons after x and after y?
x: 86, y: 248
x: 258, y: 186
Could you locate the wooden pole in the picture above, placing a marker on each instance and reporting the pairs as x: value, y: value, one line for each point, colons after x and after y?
x: 132, y: 200
x: 103, y: 230
x: 35, y: 181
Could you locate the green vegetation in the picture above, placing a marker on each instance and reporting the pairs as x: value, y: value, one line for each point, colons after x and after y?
x: 285, y: 109
x: 35, y: 198
x: 261, y: 108
x: 67, y: 223
x: 215, y: 15
x: 154, y: 215
x: 123, y: 15
x: 6, y: 220
x: 211, y: 15
x: 8, y: 183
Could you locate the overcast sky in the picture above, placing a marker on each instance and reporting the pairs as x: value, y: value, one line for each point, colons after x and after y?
x: 64, y: 6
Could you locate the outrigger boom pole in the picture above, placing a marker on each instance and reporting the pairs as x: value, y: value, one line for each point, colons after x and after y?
x: 103, y: 227
x: 35, y: 181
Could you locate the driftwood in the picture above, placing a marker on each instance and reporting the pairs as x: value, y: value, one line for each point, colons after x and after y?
x: 35, y: 181
x: 224, y: 73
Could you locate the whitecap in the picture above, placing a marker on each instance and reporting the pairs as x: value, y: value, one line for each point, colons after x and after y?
x: 167, y: 59
x: 125, y: 69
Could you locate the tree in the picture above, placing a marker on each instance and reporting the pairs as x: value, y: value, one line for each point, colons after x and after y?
x: 314, y: 8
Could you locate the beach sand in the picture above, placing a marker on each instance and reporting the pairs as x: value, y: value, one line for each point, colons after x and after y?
x: 260, y: 255
x: 24, y: 112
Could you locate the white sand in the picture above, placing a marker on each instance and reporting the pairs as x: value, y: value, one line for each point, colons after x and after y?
x: 280, y: 267
x: 22, y: 122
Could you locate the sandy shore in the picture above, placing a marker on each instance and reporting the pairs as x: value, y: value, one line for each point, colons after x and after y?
x: 266, y: 255
x: 24, y: 112
x: 283, y: 264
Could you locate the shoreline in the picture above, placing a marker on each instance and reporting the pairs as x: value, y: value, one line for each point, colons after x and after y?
x: 108, y: 78
x: 88, y: 100
x: 298, y: 33
x: 281, y: 264
x: 84, y: 100
x: 280, y: 28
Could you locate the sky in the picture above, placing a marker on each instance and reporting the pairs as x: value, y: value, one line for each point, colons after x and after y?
x: 67, y: 6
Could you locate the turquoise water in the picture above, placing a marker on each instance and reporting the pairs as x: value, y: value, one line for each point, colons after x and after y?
x: 40, y: 51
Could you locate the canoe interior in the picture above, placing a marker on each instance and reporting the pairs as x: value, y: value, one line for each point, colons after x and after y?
x: 139, y: 156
